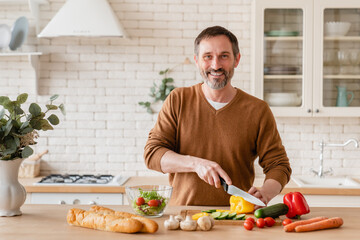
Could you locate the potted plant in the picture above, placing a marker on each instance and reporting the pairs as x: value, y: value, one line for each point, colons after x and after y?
x: 18, y: 131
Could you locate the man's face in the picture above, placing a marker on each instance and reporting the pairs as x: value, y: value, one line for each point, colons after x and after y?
x: 216, y: 61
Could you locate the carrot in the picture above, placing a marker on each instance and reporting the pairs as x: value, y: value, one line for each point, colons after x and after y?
x: 324, y: 224
x: 291, y: 226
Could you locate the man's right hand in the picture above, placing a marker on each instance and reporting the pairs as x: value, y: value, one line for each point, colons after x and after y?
x: 207, y: 170
x: 210, y: 171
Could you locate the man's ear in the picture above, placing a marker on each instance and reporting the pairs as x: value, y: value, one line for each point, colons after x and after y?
x: 196, y: 59
x: 237, y: 60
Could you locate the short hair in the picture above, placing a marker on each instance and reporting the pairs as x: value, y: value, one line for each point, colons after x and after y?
x: 213, y: 32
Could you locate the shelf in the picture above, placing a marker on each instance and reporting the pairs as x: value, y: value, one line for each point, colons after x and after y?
x: 33, y: 58
x: 33, y: 6
x: 296, y: 38
x: 342, y: 76
x: 343, y: 38
x: 283, y: 76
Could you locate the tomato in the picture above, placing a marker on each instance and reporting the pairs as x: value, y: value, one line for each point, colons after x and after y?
x: 286, y: 221
x: 153, y: 203
x: 260, y: 223
x: 140, y: 201
x: 269, y: 221
x: 250, y: 219
x: 248, y: 225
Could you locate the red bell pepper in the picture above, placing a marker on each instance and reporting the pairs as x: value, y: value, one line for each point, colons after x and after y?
x: 297, y: 204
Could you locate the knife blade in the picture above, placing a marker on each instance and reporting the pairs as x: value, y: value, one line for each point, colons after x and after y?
x: 232, y: 190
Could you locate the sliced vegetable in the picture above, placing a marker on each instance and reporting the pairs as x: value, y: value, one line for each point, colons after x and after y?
x: 209, y: 211
x: 239, y: 205
x: 291, y: 227
x: 216, y: 215
x: 297, y: 204
x: 273, y: 211
x: 199, y: 215
x: 323, y: 224
x: 231, y: 215
x: 239, y: 216
x: 223, y: 215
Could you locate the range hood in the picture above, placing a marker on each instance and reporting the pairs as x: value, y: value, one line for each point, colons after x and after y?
x: 87, y: 18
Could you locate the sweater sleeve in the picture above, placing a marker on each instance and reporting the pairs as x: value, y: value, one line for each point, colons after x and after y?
x: 162, y: 137
x: 271, y: 152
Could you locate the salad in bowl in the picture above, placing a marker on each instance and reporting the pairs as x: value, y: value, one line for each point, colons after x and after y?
x: 148, y: 200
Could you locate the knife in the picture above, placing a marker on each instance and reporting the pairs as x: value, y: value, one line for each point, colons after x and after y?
x: 232, y: 190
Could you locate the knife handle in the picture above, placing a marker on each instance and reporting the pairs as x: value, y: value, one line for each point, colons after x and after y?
x: 224, y: 184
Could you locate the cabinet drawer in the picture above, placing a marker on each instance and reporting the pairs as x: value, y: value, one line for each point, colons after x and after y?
x: 77, y: 198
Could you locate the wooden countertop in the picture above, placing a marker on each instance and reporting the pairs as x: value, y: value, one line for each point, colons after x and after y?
x: 290, y: 187
x: 43, y: 222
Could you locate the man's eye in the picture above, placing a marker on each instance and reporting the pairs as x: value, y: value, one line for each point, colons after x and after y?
x: 207, y: 57
x: 225, y: 56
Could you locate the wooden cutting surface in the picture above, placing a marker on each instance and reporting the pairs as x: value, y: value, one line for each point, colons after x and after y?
x: 190, y: 212
x: 44, y: 222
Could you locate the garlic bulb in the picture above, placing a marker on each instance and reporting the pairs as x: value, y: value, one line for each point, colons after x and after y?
x: 188, y: 224
x: 171, y: 223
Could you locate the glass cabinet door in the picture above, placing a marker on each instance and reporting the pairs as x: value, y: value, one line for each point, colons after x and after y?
x: 341, y: 57
x: 283, y: 57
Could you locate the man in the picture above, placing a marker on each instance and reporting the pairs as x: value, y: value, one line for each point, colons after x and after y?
x: 214, y: 130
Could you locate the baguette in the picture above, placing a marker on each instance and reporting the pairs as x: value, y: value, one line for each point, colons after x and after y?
x: 149, y: 226
x: 90, y: 219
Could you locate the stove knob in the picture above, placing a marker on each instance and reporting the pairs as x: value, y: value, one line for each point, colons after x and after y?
x: 62, y: 202
x: 92, y: 203
x: 76, y: 201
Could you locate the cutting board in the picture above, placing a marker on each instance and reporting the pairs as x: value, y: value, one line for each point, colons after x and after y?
x: 185, y: 212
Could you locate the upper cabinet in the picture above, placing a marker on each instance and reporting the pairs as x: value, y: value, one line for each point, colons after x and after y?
x: 307, y: 56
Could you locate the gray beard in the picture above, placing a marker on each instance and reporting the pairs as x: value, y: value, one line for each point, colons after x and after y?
x: 216, y: 83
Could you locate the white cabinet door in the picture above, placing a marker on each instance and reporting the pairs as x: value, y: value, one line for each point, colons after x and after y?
x: 325, y: 200
x: 337, y: 57
x: 299, y: 68
x: 283, y: 60
x: 77, y: 198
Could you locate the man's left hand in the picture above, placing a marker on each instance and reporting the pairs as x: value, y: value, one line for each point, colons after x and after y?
x: 268, y: 191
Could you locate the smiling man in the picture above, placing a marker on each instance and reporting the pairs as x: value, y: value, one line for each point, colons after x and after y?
x: 213, y: 130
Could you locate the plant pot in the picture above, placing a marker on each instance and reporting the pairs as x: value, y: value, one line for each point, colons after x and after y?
x: 12, y: 193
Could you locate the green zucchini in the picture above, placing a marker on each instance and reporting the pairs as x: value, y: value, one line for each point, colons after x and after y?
x: 273, y: 211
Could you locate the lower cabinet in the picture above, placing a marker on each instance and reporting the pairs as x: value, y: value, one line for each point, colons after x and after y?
x: 325, y: 200
x: 75, y: 198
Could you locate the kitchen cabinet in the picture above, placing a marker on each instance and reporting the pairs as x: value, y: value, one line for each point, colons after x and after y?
x: 76, y: 198
x: 299, y: 67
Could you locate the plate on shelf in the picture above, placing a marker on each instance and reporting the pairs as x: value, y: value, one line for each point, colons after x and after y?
x: 19, y: 33
x: 281, y: 33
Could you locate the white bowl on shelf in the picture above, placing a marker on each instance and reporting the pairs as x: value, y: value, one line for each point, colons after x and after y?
x: 337, y: 28
x: 282, y: 99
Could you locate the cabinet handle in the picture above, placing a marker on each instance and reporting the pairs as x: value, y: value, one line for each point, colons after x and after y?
x: 92, y: 203
x: 62, y: 202
x: 317, y: 110
x: 309, y: 110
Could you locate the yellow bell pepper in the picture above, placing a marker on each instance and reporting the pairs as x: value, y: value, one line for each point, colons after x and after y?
x: 239, y: 205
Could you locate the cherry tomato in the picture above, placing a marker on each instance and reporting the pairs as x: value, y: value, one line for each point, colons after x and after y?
x: 269, y: 221
x: 260, y: 223
x: 153, y: 203
x: 250, y: 219
x: 248, y: 225
x: 140, y: 201
x: 286, y: 221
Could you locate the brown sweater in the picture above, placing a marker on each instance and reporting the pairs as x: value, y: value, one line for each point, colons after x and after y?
x: 233, y: 136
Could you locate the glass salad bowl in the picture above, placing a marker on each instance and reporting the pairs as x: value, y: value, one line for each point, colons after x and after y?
x: 149, y: 200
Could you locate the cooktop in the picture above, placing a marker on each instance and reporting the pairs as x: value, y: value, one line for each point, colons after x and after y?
x: 86, y: 179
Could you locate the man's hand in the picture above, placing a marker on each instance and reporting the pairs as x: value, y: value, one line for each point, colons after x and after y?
x: 268, y: 191
x: 207, y: 170
x: 210, y: 171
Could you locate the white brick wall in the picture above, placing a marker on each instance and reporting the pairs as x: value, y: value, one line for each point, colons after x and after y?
x: 101, y: 81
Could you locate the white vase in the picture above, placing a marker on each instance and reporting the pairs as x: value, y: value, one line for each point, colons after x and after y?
x: 12, y: 193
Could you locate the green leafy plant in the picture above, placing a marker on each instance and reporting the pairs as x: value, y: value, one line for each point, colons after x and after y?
x: 18, y: 129
x: 159, y: 92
